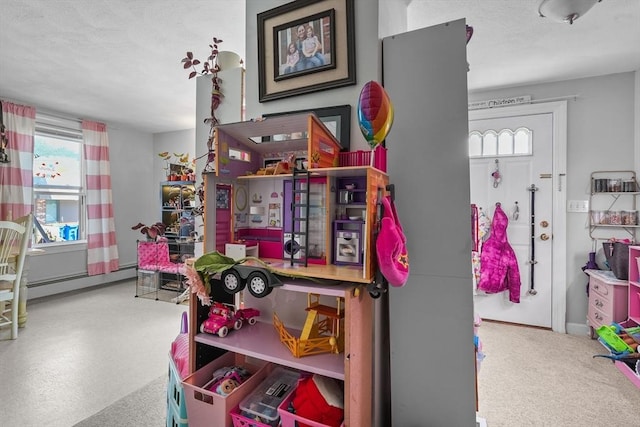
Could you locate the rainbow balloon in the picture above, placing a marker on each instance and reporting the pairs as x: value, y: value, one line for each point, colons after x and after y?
x: 375, y: 113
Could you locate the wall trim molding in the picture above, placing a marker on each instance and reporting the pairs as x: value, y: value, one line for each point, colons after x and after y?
x: 76, y: 283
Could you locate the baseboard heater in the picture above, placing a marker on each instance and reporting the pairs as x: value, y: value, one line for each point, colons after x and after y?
x: 76, y: 282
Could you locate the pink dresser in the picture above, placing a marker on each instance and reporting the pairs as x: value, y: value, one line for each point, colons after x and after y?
x: 608, y: 297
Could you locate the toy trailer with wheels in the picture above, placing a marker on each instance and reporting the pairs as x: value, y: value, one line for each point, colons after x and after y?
x: 260, y: 281
x: 223, y: 317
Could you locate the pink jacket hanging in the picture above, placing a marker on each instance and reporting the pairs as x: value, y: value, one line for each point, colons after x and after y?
x: 498, y: 263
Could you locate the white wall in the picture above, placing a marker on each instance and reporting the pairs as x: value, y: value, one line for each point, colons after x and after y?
x: 601, y: 123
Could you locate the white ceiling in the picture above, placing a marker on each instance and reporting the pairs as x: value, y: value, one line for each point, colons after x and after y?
x: 119, y: 60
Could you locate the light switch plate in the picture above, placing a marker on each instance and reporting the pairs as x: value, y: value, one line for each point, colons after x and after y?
x: 578, y: 206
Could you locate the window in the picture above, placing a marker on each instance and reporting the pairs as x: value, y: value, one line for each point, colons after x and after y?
x: 235, y: 154
x: 505, y: 142
x: 58, y: 181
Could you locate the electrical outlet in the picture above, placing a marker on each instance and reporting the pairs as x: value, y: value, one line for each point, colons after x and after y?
x: 578, y: 206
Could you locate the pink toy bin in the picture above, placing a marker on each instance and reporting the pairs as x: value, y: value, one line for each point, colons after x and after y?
x: 206, y: 408
x: 240, y: 420
x: 289, y: 420
x: 262, y: 403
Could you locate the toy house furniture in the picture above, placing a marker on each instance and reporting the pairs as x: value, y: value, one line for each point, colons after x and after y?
x: 241, y: 250
x: 306, y: 241
x: 607, y: 299
x: 306, y: 246
x: 14, y: 243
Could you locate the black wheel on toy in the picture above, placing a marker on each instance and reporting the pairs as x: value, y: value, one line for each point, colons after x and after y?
x: 231, y: 281
x: 258, y: 284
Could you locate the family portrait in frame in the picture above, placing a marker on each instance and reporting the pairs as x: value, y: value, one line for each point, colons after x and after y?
x: 305, y: 46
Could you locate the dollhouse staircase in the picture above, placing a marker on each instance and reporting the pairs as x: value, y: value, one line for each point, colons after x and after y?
x: 299, y: 210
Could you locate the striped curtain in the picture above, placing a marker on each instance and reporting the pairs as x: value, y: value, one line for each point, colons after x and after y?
x: 16, y: 177
x: 102, y: 252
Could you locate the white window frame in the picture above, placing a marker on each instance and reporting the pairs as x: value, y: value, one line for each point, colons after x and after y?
x: 497, y: 134
x: 66, y: 129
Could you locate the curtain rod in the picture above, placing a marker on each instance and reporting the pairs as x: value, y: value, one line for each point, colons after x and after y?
x: 57, y: 116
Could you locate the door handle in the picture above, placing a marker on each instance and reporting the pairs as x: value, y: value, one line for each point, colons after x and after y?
x: 544, y: 236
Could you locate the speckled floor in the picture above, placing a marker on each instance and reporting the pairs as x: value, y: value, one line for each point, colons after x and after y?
x: 82, y: 351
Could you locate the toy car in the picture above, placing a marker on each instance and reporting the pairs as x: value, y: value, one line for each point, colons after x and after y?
x: 225, y: 316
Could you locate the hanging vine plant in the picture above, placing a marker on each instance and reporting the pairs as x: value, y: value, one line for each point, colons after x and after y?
x: 210, y: 66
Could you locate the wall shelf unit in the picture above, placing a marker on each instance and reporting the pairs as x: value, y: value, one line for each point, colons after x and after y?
x: 613, y: 204
x: 178, y: 200
x: 261, y: 341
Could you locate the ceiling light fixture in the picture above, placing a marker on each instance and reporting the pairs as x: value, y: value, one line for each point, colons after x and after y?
x: 565, y: 10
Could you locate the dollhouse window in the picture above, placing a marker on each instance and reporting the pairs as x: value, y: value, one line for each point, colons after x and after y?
x: 241, y: 155
x: 505, y: 142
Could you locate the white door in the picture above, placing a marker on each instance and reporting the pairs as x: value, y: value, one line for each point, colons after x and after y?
x: 518, y: 174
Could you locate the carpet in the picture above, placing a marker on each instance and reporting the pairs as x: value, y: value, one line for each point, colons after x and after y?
x: 145, y: 407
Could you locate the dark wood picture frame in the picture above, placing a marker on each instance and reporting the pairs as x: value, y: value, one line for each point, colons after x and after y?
x: 332, y: 22
x: 339, y: 114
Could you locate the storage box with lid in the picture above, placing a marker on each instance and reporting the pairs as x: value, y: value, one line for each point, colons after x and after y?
x: 207, y: 408
x: 260, y: 408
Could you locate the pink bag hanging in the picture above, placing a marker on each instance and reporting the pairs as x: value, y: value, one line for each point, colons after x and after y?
x: 393, y: 260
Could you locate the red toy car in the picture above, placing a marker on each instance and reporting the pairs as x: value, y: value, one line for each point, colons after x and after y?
x: 225, y: 316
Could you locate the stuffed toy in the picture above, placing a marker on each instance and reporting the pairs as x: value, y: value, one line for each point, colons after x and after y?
x: 319, y: 399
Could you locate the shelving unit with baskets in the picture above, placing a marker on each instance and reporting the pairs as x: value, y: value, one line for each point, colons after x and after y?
x: 613, y: 204
x: 261, y: 341
x: 178, y: 201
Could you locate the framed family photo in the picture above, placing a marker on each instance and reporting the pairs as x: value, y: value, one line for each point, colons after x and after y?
x: 305, y: 46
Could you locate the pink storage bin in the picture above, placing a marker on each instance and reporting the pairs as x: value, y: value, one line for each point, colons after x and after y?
x: 289, y: 420
x: 240, y: 420
x: 206, y: 408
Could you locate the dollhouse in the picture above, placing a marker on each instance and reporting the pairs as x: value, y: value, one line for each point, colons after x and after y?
x: 279, y: 186
x: 282, y: 188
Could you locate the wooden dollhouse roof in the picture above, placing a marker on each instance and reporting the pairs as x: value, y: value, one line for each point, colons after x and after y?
x: 267, y: 135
